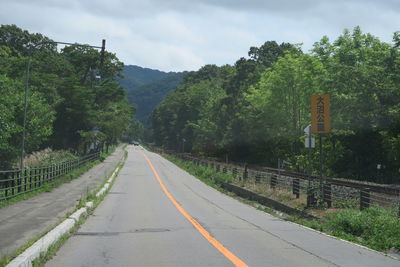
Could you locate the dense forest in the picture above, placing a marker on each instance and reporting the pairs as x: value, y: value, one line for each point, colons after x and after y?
x: 70, y: 91
x: 146, y: 88
x: 136, y: 76
x: 256, y: 110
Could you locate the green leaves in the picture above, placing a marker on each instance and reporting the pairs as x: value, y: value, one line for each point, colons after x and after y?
x: 256, y: 110
x: 65, y: 98
x: 39, y: 118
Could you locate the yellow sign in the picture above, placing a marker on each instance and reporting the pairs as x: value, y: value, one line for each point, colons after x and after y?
x: 320, y: 114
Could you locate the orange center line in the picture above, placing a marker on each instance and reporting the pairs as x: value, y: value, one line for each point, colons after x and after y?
x: 229, y: 255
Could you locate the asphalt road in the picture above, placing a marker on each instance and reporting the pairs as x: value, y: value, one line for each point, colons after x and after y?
x: 158, y: 215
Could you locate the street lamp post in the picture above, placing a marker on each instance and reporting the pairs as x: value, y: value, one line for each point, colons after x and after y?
x: 28, y: 65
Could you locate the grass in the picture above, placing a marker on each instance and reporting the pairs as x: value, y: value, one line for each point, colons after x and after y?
x: 48, y: 157
x: 376, y: 227
x: 207, y: 175
x: 44, y: 257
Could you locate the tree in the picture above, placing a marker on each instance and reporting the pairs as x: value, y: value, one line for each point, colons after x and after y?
x: 280, y: 103
x: 39, y: 119
x: 362, y: 80
x: 65, y: 99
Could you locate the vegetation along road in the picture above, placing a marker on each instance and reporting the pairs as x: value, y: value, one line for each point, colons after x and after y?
x: 158, y: 215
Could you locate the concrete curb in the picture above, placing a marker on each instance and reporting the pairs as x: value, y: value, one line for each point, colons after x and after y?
x: 42, y: 245
x: 25, y: 259
x: 107, y: 185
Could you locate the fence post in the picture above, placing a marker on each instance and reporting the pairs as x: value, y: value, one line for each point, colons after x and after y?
x: 53, y: 172
x: 35, y: 178
x: 224, y: 169
x: 245, y: 172
x: 311, y: 200
x: 398, y: 203
x: 19, y: 181
x: 328, y: 194
x: 365, y: 200
x: 13, y: 183
x: 26, y: 178
x: 6, y: 184
x: 40, y: 177
x: 273, y: 181
x: 296, y: 187
x: 217, y: 168
x: 398, y: 211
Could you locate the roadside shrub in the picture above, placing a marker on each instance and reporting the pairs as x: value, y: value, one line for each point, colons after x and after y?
x: 48, y: 157
x: 375, y: 227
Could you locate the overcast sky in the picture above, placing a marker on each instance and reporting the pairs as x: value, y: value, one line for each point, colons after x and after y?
x: 177, y: 35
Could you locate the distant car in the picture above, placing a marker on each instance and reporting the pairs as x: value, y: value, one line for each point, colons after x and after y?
x: 135, y: 143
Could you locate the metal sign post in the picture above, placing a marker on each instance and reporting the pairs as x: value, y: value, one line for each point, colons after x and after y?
x: 309, y: 143
x: 320, y: 124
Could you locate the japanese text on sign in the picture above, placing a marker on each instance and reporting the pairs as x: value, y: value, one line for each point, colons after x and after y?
x: 320, y: 114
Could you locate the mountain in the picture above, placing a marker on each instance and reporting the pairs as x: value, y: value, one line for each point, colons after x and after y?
x: 135, y: 76
x: 146, y: 88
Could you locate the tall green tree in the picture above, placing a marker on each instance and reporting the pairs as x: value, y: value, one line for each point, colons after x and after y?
x: 362, y: 79
x: 279, y: 105
x: 66, y: 97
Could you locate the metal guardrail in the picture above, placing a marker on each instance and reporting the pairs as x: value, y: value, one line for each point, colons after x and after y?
x: 17, y: 182
x: 334, y: 192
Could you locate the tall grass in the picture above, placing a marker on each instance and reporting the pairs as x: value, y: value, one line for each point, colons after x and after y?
x: 47, y: 157
x: 375, y: 227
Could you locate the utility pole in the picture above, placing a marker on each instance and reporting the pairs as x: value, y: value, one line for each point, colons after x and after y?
x: 28, y: 65
x: 103, y: 48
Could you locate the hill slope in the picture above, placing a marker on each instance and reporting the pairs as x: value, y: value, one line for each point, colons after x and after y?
x: 135, y: 76
x: 147, y: 97
x: 146, y: 88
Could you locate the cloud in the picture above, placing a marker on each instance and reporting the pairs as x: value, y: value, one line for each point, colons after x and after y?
x: 184, y: 35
